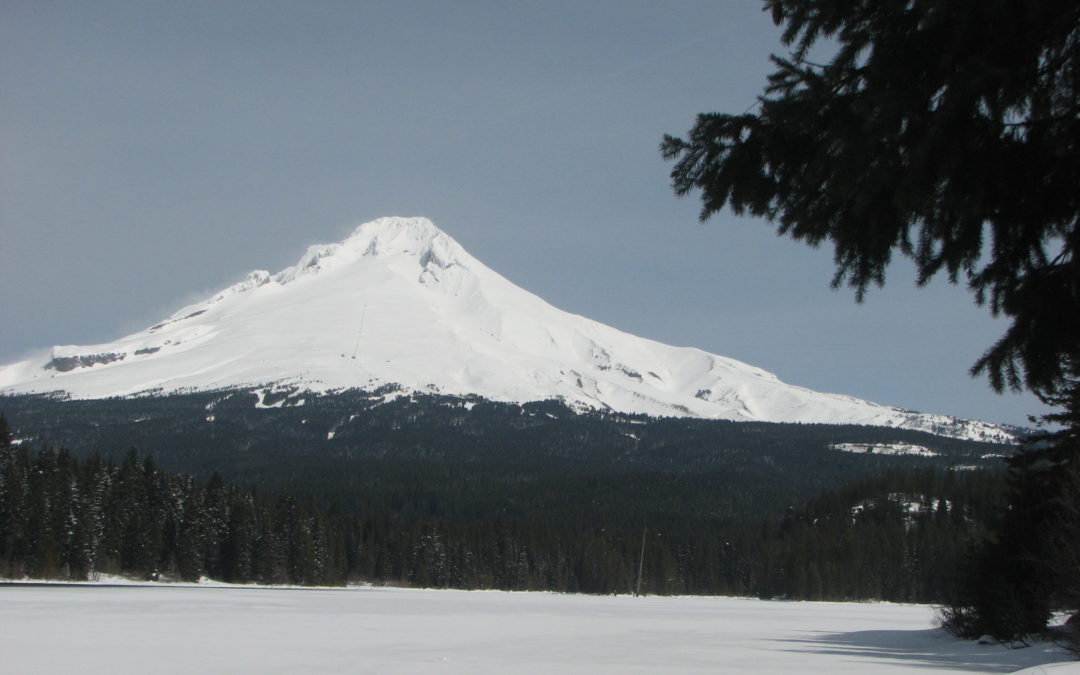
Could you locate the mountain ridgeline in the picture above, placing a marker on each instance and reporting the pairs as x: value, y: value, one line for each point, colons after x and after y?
x: 463, y: 492
x: 400, y: 304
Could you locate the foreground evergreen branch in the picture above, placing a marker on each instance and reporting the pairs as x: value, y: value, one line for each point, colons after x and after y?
x: 946, y: 131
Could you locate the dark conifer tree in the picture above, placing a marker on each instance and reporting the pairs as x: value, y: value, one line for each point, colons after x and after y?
x: 215, y: 525
x: 5, y: 433
x: 14, y: 490
x: 43, y: 556
x: 947, y: 132
x: 95, y: 479
x: 192, y: 547
x: 238, y: 550
x: 1036, y: 555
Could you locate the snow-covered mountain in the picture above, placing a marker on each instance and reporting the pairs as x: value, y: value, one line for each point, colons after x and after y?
x: 399, y: 302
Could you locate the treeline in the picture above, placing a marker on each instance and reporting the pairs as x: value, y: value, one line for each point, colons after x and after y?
x: 65, y: 518
x: 898, y: 536
x: 446, y: 459
x: 902, y: 536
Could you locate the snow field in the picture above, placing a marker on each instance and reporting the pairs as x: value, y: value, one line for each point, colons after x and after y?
x: 190, y: 629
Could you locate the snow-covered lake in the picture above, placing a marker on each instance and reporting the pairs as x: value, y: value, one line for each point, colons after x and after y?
x: 178, y: 629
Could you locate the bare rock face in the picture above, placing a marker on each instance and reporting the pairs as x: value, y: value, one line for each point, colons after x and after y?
x: 64, y: 364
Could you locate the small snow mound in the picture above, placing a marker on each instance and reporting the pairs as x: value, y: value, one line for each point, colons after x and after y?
x: 309, y: 263
x: 252, y: 281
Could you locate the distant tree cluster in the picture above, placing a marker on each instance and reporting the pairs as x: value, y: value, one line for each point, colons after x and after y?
x: 902, y: 536
x: 65, y: 518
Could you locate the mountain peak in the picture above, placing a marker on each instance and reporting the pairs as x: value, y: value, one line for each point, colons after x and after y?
x: 394, y: 231
x: 384, y: 238
x: 418, y: 237
x: 399, y: 302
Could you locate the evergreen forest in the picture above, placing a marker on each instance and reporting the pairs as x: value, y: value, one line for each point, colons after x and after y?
x: 464, y: 493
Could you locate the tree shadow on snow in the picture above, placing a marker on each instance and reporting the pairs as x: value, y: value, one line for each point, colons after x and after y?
x: 931, y: 649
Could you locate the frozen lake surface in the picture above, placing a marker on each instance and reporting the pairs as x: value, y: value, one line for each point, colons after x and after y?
x: 193, y: 629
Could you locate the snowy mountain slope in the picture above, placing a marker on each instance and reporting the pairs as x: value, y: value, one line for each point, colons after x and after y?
x: 400, y: 302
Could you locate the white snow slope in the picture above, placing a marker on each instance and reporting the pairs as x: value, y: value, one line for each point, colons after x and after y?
x: 400, y: 302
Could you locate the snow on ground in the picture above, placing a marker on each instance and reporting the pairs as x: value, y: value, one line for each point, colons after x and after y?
x: 1064, y: 668
x: 885, y: 449
x: 192, y: 629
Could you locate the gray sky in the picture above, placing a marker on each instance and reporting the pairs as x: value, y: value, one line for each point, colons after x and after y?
x: 153, y: 152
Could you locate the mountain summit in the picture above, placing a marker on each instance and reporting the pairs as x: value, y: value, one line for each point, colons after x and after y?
x: 401, y: 303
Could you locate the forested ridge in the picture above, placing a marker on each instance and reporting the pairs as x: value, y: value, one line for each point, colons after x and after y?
x: 433, y: 492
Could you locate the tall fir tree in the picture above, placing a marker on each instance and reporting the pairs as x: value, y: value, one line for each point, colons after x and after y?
x: 946, y: 131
